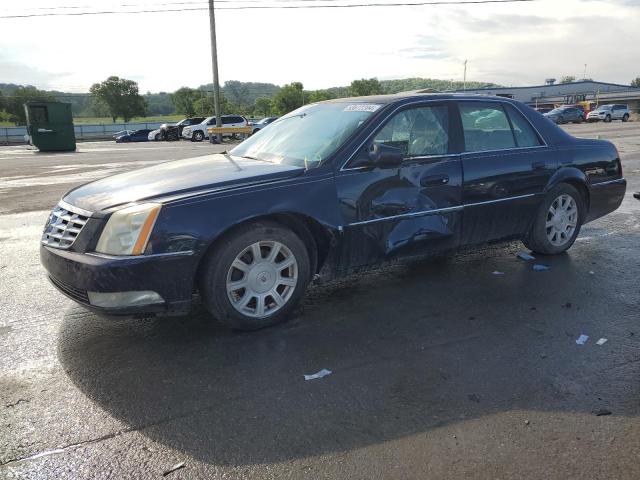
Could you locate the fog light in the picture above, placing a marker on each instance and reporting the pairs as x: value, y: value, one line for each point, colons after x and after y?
x: 124, y: 299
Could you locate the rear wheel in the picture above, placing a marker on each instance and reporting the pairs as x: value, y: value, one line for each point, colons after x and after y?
x: 255, y: 276
x: 558, y: 221
x: 625, y: 118
x: 158, y: 137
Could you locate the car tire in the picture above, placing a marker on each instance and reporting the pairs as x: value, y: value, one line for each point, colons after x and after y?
x: 158, y: 136
x: 197, y: 136
x: 240, y: 289
x: 607, y: 119
x: 625, y: 117
x: 550, y: 234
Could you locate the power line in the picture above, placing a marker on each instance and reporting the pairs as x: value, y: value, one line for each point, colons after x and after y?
x: 268, y: 7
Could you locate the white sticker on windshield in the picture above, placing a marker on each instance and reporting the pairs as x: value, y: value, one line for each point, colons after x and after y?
x: 362, y: 107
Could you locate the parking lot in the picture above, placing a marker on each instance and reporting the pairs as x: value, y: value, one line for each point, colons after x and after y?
x: 439, y: 369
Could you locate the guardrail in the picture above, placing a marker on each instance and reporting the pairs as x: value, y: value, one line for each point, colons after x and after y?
x: 15, y: 135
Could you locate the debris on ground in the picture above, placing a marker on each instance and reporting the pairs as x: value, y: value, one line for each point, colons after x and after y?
x: 582, y: 339
x: 539, y: 267
x: 496, y: 272
x: 177, y: 466
x: 16, y: 403
x: 567, y: 305
x: 322, y: 373
x: 602, y: 412
x: 636, y: 195
x: 474, y: 398
x: 527, y: 422
x: 591, y: 272
x: 525, y: 256
x: 602, y: 341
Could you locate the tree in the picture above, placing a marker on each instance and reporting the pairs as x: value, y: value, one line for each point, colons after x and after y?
x: 121, y: 97
x: 635, y: 82
x: 320, y: 95
x: 567, y: 79
x: 262, y: 106
x: 14, y: 104
x: 184, y: 99
x: 289, y: 98
x: 363, y: 87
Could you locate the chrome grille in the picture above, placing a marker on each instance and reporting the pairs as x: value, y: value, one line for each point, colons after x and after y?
x: 63, y: 227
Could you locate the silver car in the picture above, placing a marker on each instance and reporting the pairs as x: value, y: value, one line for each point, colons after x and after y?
x: 607, y: 113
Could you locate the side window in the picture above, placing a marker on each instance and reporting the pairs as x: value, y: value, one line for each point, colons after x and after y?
x: 228, y: 120
x: 418, y: 131
x: 522, y: 129
x: 486, y: 127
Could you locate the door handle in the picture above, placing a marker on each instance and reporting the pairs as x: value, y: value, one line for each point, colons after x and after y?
x: 433, y: 180
x: 539, y: 165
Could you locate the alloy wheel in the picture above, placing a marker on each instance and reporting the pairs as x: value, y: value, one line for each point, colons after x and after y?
x: 262, y: 279
x: 562, y: 220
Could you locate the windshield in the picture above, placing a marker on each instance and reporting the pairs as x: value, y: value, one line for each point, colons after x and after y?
x: 308, y: 135
x: 604, y: 107
x: 558, y: 110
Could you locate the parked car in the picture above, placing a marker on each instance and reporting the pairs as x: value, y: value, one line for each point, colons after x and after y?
x: 155, y: 135
x: 329, y: 188
x: 197, y: 133
x: 174, y: 132
x: 122, y: 132
x: 135, y: 136
x: 607, y: 113
x: 259, y: 125
x: 542, y: 110
x: 566, y: 114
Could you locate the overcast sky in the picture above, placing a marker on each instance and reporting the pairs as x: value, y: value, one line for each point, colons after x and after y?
x: 510, y: 44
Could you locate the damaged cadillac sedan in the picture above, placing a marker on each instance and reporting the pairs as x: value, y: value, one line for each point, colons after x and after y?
x: 327, y: 189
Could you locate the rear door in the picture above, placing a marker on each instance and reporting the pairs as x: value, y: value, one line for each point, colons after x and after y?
x: 506, y: 166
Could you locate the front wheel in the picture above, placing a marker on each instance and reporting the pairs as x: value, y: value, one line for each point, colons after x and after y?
x: 197, y: 136
x: 255, y: 276
x: 607, y: 119
x: 558, y: 221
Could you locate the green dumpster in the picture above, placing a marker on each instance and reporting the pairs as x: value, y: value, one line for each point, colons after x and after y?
x: 50, y: 126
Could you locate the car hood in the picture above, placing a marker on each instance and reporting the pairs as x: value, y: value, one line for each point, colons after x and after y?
x: 176, y: 179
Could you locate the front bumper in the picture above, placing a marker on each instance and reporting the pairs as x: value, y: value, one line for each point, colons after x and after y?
x: 170, y: 275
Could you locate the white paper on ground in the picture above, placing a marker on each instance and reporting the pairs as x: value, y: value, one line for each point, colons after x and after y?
x: 602, y: 341
x: 582, y: 339
x: 322, y: 373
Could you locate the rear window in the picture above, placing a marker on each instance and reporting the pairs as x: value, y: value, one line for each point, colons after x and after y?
x: 524, y: 133
x: 486, y: 127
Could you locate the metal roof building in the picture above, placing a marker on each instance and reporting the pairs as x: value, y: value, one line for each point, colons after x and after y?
x: 552, y: 94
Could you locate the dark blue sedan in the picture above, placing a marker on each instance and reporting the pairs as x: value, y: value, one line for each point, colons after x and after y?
x: 135, y: 136
x: 330, y: 188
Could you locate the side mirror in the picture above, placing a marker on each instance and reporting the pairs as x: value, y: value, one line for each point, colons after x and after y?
x: 385, y: 156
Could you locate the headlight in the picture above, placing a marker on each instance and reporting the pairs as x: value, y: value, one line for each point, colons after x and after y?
x: 127, y: 231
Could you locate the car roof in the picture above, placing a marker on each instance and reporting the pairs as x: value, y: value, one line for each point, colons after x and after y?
x: 409, y: 96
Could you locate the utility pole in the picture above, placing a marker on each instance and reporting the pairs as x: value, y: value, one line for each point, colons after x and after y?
x: 214, y: 66
x: 584, y: 75
x: 464, y: 79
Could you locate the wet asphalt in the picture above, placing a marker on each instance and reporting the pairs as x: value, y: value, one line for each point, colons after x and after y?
x: 439, y: 369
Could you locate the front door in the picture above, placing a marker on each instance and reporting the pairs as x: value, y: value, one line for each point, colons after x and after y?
x: 506, y: 167
x: 407, y: 210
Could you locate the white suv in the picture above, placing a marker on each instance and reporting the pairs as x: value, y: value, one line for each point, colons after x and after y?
x: 197, y: 133
x: 606, y: 113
